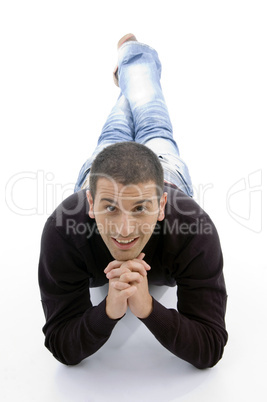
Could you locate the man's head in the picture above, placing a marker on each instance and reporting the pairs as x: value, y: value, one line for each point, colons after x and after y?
x: 127, y: 163
x: 126, y: 197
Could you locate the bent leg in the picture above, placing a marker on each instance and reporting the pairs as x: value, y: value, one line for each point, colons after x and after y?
x: 139, y: 79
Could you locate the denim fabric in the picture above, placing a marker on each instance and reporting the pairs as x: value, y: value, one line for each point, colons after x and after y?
x: 141, y: 115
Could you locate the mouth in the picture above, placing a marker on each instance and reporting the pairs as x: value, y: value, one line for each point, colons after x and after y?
x: 125, y: 244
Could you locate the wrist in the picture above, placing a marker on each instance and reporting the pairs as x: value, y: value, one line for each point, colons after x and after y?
x: 113, y: 314
x: 147, y: 308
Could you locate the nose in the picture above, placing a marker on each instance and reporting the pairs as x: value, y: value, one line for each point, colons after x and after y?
x: 127, y: 225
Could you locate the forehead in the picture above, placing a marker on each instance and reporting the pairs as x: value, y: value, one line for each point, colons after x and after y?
x: 107, y: 188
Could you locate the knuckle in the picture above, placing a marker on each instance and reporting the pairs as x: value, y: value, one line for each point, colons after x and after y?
x: 127, y: 277
x: 127, y: 265
x: 123, y: 278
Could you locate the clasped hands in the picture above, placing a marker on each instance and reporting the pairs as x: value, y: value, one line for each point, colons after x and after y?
x: 128, y: 287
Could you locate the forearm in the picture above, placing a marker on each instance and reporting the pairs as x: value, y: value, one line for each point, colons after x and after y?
x: 190, y: 340
x: 72, y: 341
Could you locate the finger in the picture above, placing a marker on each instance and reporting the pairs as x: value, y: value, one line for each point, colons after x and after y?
x: 120, y: 285
x: 116, y: 272
x: 130, y: 277
x: 117, y: 264
x: 112, y: 265
x: 136, y: 266
x: 141, y: 259
x: 126, y: 293
x: 145, y: 264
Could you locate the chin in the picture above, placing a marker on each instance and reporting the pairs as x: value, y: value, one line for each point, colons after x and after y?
x: 124, y: 255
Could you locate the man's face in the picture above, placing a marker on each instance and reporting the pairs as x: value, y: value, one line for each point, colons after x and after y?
x: 126, y: 215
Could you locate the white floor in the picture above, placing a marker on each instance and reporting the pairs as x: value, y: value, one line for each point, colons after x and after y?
x: 56, y: 90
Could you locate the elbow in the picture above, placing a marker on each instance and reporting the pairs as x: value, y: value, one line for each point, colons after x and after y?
x: 69, y: 352
x: 208, y: 362
x: 66, y: 359
x: 212, y: 353
x: 60, y: 353
x: 67, y: 362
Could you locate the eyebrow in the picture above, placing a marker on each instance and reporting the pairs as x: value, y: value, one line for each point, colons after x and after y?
x: 143, y: 201
x: 109, y: 200
x: 115, y: 202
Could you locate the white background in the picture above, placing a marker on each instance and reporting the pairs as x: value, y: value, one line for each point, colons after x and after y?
x: 56, y: 90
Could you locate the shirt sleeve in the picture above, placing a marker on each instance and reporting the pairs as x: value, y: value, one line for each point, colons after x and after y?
x: 74, y: 329
x: 195, y: 332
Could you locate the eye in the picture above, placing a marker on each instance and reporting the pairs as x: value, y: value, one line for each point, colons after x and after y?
x: 139, y: 209
x: 111, y: 208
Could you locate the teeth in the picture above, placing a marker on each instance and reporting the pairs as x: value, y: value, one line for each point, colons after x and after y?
x: 124, y: 241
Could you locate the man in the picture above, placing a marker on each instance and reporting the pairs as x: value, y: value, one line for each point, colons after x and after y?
x: 131, y: 222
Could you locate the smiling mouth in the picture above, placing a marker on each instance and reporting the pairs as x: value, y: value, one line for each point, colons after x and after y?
x: 125, y: 244
x: 124, y: 241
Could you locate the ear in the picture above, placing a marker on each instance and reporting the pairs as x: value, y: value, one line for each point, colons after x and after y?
x: 162, y: 203
x: 91, y: 204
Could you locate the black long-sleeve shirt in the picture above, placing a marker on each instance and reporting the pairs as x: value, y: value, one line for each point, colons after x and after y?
x: 184, y: 250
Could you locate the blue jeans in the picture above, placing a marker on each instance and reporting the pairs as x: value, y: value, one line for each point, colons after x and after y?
x: 140, y: 114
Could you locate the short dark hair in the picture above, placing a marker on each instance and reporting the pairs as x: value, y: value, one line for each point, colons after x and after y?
x: 127, y: 163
